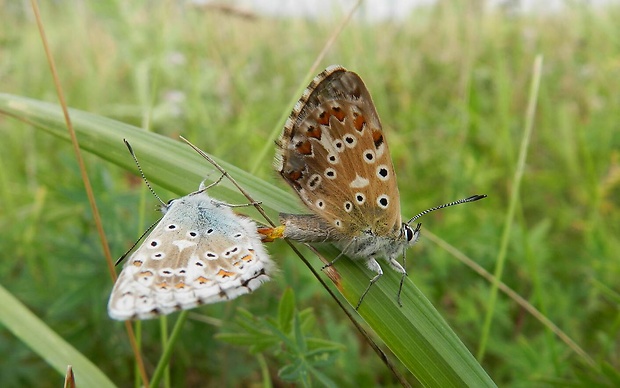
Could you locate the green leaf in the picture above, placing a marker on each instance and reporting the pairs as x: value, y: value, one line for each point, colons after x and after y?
x: 323, y: 379
x: 286, y: 310
x: 300, y: 339
x: 58, y: 353
x: 612, y: 374
x: 323, y: 356
x: 166, y: 162
x: 294, y: 371
x: 415, y: 333
x: 318, y: 343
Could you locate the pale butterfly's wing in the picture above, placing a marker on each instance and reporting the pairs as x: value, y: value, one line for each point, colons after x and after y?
x: 334, y: 154
x: 200, y: 252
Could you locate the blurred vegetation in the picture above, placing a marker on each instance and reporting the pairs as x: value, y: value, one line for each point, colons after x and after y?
x: 450, y: 82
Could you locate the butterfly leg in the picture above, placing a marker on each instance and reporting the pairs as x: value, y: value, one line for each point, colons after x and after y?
x: 373, y: 265
x: 215, y: 183
x: 399, y: 268
x: 245, y: 204
x: 339, y: 255
x: 333, y: 261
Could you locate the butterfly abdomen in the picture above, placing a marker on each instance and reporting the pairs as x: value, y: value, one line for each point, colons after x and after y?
x: 306, y: 228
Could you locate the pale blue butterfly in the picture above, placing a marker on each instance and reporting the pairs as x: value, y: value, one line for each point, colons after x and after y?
x: 200, y: 252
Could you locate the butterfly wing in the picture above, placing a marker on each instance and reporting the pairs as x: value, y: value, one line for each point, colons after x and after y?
x: 333, y: 153
x: 199, y: 253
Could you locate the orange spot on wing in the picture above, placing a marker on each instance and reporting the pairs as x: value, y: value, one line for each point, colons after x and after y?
x: 180, y: 286
x: 225, y: 274
x: 338, y: 113
x: 324, y: 118
x: 247, y: 258
x: 137, y: 263
x: 202, y: 280
x: 292, y: 177
x: 162, y: 286
x: 359, y: 122
x: 295, y: 175
x: 377, y: 138
x: 314, y: 132
x: 146, y: 273
x: 304, y: 148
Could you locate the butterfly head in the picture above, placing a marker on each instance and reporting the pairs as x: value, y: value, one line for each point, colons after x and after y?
x: 409, y: 234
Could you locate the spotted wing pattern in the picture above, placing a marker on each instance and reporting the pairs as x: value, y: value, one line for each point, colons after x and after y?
x: 200, y: 252
x: 333, y: 153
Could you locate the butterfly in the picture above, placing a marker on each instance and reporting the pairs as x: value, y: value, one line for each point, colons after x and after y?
x: 334, y: 155
x: 200, y: 252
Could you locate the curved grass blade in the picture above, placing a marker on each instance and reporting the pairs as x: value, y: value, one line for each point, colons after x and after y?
x: 45, y: 342
x: 415, y: 333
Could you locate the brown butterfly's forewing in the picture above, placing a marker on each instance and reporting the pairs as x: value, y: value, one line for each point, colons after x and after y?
x: 334, y: 155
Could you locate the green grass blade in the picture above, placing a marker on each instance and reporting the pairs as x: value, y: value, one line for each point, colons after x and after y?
x: 515, y: 198
x: 166, y: 162
x: 415, y: 333
x: 47, y: 344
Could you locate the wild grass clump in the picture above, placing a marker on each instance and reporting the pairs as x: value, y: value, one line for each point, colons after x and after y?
x: 451, y: 84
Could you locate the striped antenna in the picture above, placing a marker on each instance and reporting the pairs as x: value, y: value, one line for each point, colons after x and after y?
x: 460, y: 201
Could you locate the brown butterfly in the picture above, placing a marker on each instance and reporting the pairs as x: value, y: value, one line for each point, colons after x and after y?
x: 333, y: 153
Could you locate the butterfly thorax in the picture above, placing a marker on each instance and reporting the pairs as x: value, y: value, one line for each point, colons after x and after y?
x: 372, y: 245
x: 198, y: 210
x: 369, y: 242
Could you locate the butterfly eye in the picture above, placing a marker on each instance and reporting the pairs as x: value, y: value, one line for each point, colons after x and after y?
x: 408, y: 232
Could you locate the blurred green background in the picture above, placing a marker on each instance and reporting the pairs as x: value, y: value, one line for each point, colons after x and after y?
x: 450, y: 82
